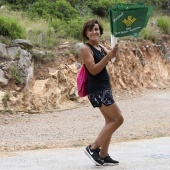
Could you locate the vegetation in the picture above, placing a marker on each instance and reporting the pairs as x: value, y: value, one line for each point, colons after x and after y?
x: 5, y: 98
x: 9, y: 27
x: 164, y: 24
x: 43, y: 57
x: 54, y: 9
x: 15, y: 74
x: 48, y: 23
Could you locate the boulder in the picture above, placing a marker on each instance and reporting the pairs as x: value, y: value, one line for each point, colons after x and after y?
x: 76, y: 49
x: 22, y: 43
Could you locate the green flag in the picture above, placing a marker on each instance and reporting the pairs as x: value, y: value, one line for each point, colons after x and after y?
x: 129, y: 19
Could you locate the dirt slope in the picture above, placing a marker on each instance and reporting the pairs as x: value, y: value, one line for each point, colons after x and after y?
x: 140, y: 65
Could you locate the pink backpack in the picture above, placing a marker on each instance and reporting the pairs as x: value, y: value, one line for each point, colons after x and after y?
x: 82, y: 82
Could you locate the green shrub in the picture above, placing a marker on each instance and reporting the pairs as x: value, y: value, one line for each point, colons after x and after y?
x: 59, y: 27
x: 15, y: 74
x: 151, y: 32
x: 164, y: 24
x: 145, y: 33
x: 57, y: 24
x: 42, y: 37
x: 73, y: 28
x: 18, y: 4
x: 5, y: 98
x: 50, y: 38
x: 101, y: 7
x: 65, y: 10
x: 158, y: 4
x: 60, y: 9
x: 66, y: 29
x: 9, y: 27
x: 40, y: 10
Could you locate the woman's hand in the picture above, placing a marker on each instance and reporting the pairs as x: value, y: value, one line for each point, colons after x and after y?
x: 112, y: 53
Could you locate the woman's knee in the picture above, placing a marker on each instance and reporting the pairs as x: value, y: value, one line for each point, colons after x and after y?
x: 119, y: 119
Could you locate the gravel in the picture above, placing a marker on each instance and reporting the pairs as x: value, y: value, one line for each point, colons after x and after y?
x: 146, y: 116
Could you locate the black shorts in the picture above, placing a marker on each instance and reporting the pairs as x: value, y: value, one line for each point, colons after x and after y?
x: 104, y: 96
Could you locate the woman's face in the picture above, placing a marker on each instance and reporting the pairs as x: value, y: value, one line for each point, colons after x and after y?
x: 94, y: 33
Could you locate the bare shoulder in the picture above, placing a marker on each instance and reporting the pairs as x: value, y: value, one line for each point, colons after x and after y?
x: 86, y: 51
x: 85, y: 48
x: 86, y: 55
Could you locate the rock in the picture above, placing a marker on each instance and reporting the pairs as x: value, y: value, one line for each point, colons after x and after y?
x: 26, y: 63
x: 76, y: 49
x: 3, y: 80
x: 13, y: 52
x: 22, y: 43
x: 3, y: 51
x: 63, y: 46
x: 17, y: 64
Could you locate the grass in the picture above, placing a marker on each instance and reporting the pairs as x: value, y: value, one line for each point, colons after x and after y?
x: 151, y: 31
x: 5, y: 98
x: 36, y: 31
x: 41, y: 35
x: 23, y: 19
x: 164, y: 24
x: 15, y: 74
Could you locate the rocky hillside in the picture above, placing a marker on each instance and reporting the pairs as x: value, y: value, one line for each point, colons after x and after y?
x: 139, y: 65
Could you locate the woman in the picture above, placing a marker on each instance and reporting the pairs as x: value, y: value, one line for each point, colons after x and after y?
x: 95, y: 58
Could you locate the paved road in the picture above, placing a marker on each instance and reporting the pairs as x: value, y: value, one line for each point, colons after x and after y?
x: 135, y: 155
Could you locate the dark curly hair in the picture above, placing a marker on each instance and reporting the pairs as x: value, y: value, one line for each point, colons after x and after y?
x: 89, y: 25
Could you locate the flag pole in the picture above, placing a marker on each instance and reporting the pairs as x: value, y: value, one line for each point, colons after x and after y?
x: 113, y: 43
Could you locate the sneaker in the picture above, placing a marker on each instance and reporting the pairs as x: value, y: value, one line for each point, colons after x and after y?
x: 93, y: 155
x: 109, y: 161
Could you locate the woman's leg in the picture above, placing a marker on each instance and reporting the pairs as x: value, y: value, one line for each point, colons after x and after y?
x: 114, y: 120
x: 105, y: 146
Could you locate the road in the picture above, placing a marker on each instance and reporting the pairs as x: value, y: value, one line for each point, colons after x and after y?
x: 135, y: 155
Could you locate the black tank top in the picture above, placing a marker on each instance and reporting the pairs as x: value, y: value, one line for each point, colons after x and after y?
x: 101, y: 80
